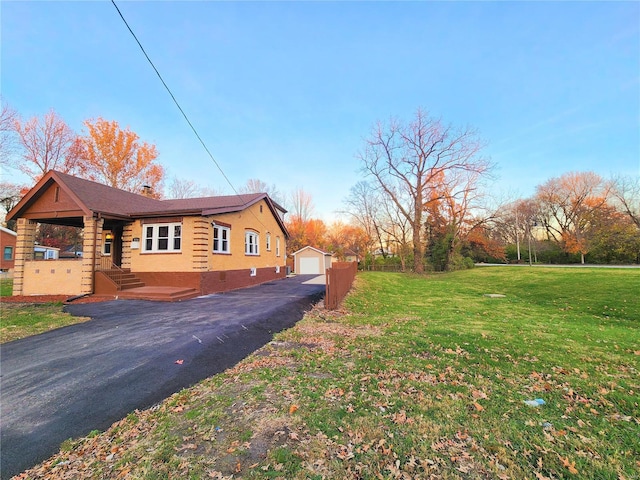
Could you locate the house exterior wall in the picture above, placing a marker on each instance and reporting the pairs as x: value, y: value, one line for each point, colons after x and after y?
x: 196, y: 254
x: 53, y: 277
x: 8, y: 247
x: 24, y: 252
x: 182, y: 261
x: 54, y: 199
x: 260, y: 222
x: 91, y: 251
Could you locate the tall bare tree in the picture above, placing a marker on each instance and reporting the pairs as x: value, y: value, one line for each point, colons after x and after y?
x: 365, y: 207
x: 301, y: 205
x: 255, y: 185
x: 46, y: 143
x: 626, y: 192
x: 8, y: 117
x: 416, y: 163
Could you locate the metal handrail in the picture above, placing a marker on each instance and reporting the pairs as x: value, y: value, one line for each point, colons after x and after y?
x: 113, y: 271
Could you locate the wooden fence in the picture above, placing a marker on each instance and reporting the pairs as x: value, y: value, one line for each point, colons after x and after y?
x: 339, y: 280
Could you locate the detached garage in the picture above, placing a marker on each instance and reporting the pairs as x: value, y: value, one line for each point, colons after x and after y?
x: 311, y: 261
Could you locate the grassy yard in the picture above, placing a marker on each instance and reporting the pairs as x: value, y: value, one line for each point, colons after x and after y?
x: 19, y: 320
x: 417, y: 377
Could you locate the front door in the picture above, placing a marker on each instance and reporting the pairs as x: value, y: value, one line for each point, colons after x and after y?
x: 116, y: 247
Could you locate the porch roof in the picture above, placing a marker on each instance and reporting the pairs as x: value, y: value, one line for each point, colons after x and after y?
x: 90, y: 198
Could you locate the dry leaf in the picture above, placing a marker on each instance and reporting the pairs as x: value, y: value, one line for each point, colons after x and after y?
x: 293, y: 409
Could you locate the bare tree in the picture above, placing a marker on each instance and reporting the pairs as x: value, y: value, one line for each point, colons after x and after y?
x: 301, y: 205
x: 255, y: 185
x: 415, y: 163
x: 626, y: 193
x: 8, y: 117
x: 181, y: 188
x: 364, y: 205
x: 47, y: 143
x: 10, y: 194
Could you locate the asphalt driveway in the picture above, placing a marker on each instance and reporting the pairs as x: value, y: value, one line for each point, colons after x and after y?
x: 64, y: 383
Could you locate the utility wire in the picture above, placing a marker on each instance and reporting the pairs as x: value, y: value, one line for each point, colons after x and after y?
x: 180, y: 108
x: 174, y: 98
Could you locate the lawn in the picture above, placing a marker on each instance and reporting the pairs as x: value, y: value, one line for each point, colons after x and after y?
x: 19, y: 320
x: 416, y: 377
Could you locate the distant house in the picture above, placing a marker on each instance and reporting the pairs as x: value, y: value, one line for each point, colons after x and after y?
x: 133, y: 243
x: 41, y: 252
x: 311, y: 261
x: 351, y: 256
x: 8, y: 246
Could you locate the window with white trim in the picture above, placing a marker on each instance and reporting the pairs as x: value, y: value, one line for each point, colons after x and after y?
x: 277, y: 246
x: 221, y: 237
x: 162, y: 237
x: 251, y: 243
x: 268, y: 242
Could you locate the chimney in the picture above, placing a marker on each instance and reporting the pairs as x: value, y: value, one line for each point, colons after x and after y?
x: 147, y: 190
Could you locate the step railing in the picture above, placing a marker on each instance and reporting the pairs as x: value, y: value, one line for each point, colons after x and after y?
x: 111, y: 270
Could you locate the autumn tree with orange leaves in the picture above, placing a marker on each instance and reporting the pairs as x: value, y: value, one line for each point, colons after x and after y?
x: 567, y: 206
x: 116, y: 157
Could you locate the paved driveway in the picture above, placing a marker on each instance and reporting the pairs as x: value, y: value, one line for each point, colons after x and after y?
x: 64, y: 383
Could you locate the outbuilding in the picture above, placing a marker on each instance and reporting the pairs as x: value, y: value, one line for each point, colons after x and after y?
x: 311, y: 261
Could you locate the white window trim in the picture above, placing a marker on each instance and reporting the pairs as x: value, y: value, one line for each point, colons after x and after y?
x: 222, y: 229
x: 248, y: 234
x: 268, y: 242
x: 154, y: 238
x: 277, y: 246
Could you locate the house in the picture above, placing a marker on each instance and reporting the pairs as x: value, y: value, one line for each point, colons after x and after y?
x: 135, y: 246
x: 42, y: 252
x: 311, y: 261
x: 351, y: 256
x: 8, y: 244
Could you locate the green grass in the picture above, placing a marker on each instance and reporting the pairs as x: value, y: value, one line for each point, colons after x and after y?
x: 6, y: 287
x: 417, y: 377
x: 20, y: 320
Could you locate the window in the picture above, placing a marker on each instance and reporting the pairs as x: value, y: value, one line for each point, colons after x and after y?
x: 277, y: 246
x: 221, y: 239
x: 8, y: 253
x: 162, y: 237
x: 251, y: 243
x: 108, y: 240
x: 268, y: 242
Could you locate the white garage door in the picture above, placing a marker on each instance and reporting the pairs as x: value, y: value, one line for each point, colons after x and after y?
x: 309, y: 266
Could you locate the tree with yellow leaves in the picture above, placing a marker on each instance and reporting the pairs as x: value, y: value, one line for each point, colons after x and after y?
x: 118, y: 158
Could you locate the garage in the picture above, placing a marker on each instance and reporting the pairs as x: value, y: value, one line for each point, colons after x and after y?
x: 310, y: 266
x: 311, y: 261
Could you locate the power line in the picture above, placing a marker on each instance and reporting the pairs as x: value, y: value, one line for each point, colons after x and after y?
x: 174, y: 98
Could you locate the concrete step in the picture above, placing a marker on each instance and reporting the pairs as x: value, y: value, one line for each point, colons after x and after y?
x: 162, y: 294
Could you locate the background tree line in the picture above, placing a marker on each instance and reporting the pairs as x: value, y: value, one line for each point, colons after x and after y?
x: 422, y: 204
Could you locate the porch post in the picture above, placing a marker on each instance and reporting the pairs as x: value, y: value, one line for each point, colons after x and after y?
x: 91, y: 245
x: 24, y: 251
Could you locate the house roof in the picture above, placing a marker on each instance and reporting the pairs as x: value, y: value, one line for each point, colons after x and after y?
x: 309, y: 247
x: 10, y: 232
x: 92, y: 197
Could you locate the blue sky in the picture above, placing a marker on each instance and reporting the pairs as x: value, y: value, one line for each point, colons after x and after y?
x: 286, y: 92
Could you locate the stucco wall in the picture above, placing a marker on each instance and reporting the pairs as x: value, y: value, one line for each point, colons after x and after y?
x: 196, y: 253
x: 53, y: 277
x: 257, y: 221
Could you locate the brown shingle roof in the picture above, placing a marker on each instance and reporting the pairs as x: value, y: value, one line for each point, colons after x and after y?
x: 108, y: 201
